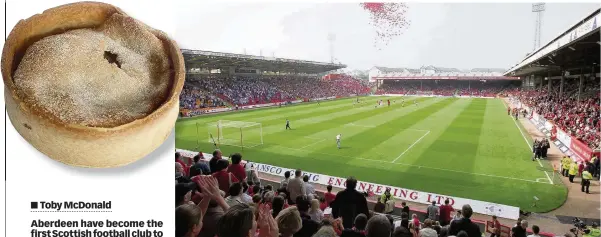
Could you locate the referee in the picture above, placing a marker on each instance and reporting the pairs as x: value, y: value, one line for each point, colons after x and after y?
x: 288, y: 124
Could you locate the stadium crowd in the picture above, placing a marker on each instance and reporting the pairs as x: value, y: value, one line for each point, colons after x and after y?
x: 216, y: 198
x: 251, y: 90
x: 444, y: 87
x: 194, y: 98
x: 577, y: 117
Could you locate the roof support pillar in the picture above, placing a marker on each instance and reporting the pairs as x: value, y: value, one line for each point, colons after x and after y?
x: 581, y: 83
x: 561, y: 81
x: 549, y: 82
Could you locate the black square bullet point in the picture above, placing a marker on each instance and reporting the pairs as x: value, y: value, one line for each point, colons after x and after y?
x: 34, y: 205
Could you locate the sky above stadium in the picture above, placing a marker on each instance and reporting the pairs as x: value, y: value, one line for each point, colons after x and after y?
x: 461, y: 35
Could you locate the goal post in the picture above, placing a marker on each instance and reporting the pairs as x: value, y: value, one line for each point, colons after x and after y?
x: 235, y: 133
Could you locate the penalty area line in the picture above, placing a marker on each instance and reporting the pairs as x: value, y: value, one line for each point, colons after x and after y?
x: 312, y: 144
x: 408, y: 148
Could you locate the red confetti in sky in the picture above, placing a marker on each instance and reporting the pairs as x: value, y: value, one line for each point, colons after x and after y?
x: 388, y: 19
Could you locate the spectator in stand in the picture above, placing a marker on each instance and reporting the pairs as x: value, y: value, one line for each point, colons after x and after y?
x: 496, y: 227
x: 188, y: 220
x: 535, y: 231
x: 278, y: 205
x: 224, y: 178
x: 349, y: 203
x: 377, y: 226
x: 236, y: 168
x: 289, y: 221
x: 428, y: 231
x: 183, y: 193
x: 245, y: 197
x: 257, y: 200
x: 189, y: 217
x: 329, y: 196
x: 284, y: 182
x: 465, y: 224
x: 322, y: 203
x: 462, y: 234
x: 309, y: 226
x: 257, y: 191
x: 326, y: 231
x: 433, y: 211
x: 520, y: 230
x: 214, y: 213
x: 237, y: 221
x: 178, y: 159
x: 252, y: 175
x: 445, y: 213
x: 315, y: 213
x: 213, y: 161
x: 358, y: 229
x: 235, y: 195
x: 415, y: 225
x: 403, y: 232
x: 405, y: 220
x: 391, y: 220
x: 405, y: 208
x: 309, y: 190
x: 179, y: 170
x: 268, y: 197
x: 200, y: 167
x: 458, y: 216
x: 296, y: 186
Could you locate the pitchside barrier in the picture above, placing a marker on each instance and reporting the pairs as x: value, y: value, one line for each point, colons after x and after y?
x: 482, y: 207
x: 567, y: 144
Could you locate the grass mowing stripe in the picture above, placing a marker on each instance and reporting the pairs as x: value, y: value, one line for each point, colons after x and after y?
x: 329, y: 130
x: 462, y: 135
x: 336, y: 121
x: 297, y: 115
x: 384, y: 131
x: 203, y: 121
x: 276, y: 126
x: 265, y: 111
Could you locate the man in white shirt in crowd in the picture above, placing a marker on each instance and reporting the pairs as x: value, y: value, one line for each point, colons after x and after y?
x: 535, y: 231
x: 309, y: 190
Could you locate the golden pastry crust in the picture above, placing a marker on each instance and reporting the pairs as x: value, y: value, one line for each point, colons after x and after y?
x: 97, y: 143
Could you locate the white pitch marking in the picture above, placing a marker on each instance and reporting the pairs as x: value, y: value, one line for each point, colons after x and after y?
x: 358, y: 125
x: 312, y: 144
x: 425, y: 167
x: 408, y: 148
x: 529, y: 146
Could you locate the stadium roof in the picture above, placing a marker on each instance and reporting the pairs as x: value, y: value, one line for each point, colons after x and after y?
x: 218, y: 60
x: 437, y: 73
x: 439, y: 70
x: 577, y: 47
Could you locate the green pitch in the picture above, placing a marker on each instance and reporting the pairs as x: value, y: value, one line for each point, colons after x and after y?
x: 465, y: 148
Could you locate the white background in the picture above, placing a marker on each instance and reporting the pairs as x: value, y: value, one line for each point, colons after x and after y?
x: 140, y: 191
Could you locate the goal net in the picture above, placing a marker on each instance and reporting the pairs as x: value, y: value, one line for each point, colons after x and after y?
x: 235, y: 133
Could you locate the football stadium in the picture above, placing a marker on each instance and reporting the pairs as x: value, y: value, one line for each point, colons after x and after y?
x: 516, y: 143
